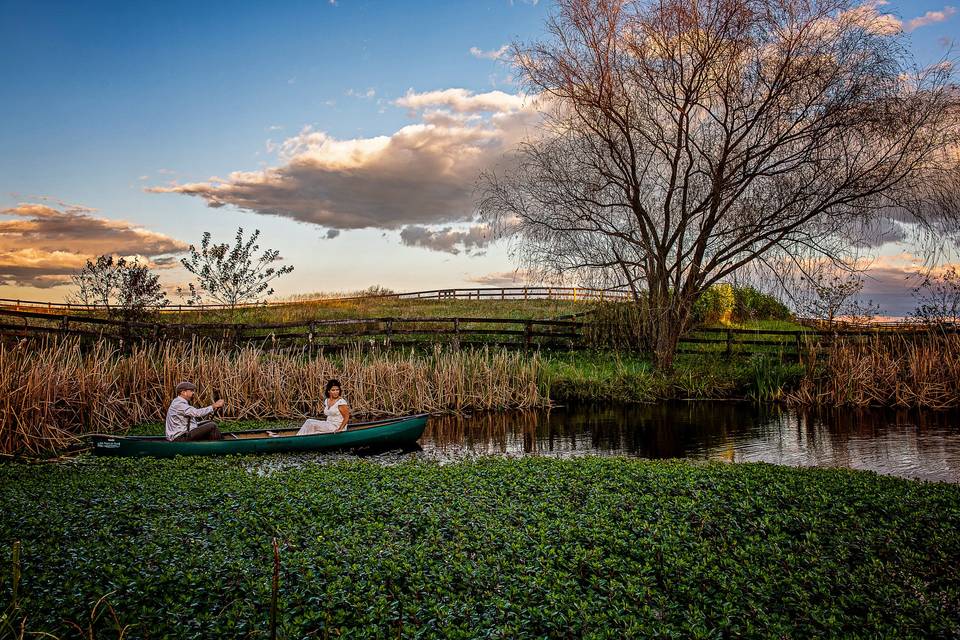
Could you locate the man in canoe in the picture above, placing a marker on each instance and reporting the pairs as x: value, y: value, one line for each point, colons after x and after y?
x: 182, y: 418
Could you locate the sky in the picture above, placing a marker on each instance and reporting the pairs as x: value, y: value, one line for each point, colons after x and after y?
x: 350, y: 133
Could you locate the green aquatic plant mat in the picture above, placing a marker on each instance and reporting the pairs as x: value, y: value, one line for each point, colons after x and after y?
x: 494, y: 548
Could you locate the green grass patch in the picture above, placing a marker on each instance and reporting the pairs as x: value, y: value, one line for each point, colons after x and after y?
x: 611, y: 376
x: 492, y: 548
x: 766, y: 325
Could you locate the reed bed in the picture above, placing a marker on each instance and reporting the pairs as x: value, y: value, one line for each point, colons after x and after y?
x: 885, y: 370
x: 52, y: 394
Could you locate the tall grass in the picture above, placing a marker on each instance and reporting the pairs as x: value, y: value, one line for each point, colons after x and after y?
x: 886, y: 370
x: 51, y: 394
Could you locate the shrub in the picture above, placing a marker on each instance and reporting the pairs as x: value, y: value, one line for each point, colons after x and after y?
x: 715, y: 305
x: 750, y: 304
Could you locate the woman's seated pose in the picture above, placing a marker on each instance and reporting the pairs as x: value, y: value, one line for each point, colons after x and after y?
x: 336, y: 410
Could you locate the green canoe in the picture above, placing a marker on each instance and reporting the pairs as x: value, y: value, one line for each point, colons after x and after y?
x: 392, y: 432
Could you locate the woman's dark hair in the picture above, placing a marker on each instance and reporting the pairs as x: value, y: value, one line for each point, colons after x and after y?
x: 332, y: 383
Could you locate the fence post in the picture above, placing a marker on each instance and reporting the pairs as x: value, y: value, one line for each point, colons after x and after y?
x: 729, y: 342
x: 313, y: 328
x: 389, y: 333
x: 527, y: 330
x: 65, y: 323
x: 524, y: 293
x: 456, y: 333
x: 799, y: 349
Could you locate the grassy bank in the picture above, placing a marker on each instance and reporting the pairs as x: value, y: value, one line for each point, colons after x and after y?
x: 604, y: 376
x: 492, y: 548
x: 52, y: 393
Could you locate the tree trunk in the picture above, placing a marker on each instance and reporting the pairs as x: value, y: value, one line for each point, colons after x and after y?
x: 667, y: 320
x: 664, y: 339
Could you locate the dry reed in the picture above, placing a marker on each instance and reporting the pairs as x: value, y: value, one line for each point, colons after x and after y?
x: 886, y: 370
x: 52, y: 393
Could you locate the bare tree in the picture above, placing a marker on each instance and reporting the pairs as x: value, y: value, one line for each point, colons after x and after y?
x: 684, y: 142
x: 831, y: 296
x: 230, y: 275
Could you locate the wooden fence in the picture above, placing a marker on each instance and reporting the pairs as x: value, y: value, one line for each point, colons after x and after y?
x: 473, y: 293
x: 405, y: 332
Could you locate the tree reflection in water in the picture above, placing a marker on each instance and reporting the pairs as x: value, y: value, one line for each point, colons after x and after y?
x: 919, y: 444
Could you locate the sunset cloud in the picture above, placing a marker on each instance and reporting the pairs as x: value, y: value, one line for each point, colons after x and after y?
x: 40, y: 246
x: 422, y: 174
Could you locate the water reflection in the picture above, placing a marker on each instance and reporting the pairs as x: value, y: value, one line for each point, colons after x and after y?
x: 904, y: 443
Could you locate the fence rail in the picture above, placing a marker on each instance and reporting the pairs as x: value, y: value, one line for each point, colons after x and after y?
x: 472, y: 293
x: 395, y: 332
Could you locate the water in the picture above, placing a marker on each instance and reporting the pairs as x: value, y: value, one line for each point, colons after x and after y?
x: 910, y: 444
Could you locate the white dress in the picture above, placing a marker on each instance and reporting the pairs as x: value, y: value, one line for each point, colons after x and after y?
x: 331, y: 424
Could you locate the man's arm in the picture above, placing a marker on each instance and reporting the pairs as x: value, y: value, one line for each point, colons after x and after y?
x: 198, y: 412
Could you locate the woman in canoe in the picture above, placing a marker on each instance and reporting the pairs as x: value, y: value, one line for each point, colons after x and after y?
x: 335, y: 409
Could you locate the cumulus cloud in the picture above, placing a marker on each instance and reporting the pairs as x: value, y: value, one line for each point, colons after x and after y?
x: 40, y: 246
x: 447, y: 239
x: 930, y: 17
x: 494, y: 54
x: 869, y: 16
x: 422, y: 174
x: 464, y: 101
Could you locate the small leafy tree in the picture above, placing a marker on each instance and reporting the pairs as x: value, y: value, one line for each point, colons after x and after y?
x: 127, y: 288
x: 938, y: 298
x: 231, y: 275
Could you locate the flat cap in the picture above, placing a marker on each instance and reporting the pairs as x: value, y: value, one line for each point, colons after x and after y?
x: 186, y: 386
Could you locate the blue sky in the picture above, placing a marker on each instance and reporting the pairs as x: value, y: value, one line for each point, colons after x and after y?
x: 104, y: 99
